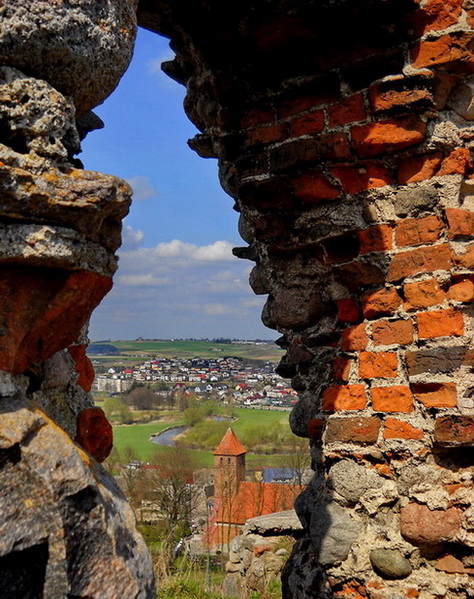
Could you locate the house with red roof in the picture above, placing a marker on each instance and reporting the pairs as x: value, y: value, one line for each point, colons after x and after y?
x: 237, y: 499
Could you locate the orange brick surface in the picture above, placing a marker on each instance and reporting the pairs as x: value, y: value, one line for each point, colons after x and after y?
x: 457, y: 162
x: 354, y: 338
x: 357, y: 178
x: 399, y: 429
x: 465, y: 258
x: 423, y: 294
x: 461, y: 222
x: 462, y: 291
x: 378, y: 365
x: 388, y: 332
x: 308, y: 124
x: 314, y: 187
x: 440, y: 323
x: 450, y: 48
x: 385, y: 100
x: 344, y: 397
x: 418, y: 231
x: 380, y: 303
x: 435, y: 395
x: 352, y: 430
x: 349, y: 110
x: 387, y: 136
x: 341, y: 368
x: 375, y: 239
x: 419, y: 260
x: 392, y: 399
x: 418, y: 168
x: 437, y: 14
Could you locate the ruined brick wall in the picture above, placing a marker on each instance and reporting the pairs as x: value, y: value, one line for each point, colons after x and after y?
x: 343, y: 131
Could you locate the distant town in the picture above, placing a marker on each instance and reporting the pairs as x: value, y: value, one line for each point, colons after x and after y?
x: 248, y: 382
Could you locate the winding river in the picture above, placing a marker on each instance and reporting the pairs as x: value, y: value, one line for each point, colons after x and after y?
x: 167, y: 437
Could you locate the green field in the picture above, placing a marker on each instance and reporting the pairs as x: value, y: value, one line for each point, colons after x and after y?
x: 131, y: 350
x: 137, y: 436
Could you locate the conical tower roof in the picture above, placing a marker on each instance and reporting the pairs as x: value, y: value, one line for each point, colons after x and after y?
x: 230, y: 445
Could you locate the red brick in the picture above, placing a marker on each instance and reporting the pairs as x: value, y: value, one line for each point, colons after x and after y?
x: 457, y: 162
x: 354, y: 338
x: 357, y: 178
x: 344, y: 397
x: 453, y: 48
x: 307, y: 124
x: 462, y: 291
x: 380, y: 303
x: 266, y: 134
x: 466, y: 259
x: 454, y: 431
x: 352, y: 430
x: 392, y: 399
x: 461, y: 223
x: 440, y: 323
x: 348, y: 310
x: 420, y: 260
x: 256, y: 117
x: 399, y: 429
x: 418, y: 168
x: 83, y: 366
x: 435, y: 395
x: 436, y: 15
x: 314, y: 187
x: 349, y: 110
x: 418, y: 231
x: 43, y: 310
x: 378, y: 365
x: 423, y: 294
x: 388, y: 136
x: 392, y: 98
x: 392, y: 332
x: 315, y: 429
x: 360, y: 273
x: 94, y: 433
x: 422, y: 526
x: 293, y: 106
x: 375, y: 239
x: 341, y: 368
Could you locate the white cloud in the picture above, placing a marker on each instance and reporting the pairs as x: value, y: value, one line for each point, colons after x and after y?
x: 131, y: 238
x: 217, y: 309
x: 142, y: 188
x: 178, y: 289
x: 177, y: 254
x: 146, y: 280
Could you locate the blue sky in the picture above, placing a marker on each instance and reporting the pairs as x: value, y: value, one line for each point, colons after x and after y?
x: 177, y: 276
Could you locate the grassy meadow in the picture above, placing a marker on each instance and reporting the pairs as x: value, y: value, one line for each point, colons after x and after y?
x: 247, y: 422
x: 135, y: 352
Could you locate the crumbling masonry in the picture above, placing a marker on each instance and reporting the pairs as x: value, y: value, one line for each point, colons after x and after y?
x: 343, y: 132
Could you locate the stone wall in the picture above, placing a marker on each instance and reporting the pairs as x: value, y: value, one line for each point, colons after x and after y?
x: 257, y: 556
x: 343, y: 130
x: 66, y: 529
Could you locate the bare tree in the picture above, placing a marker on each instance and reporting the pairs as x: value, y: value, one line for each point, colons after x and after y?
x: 170, y: 488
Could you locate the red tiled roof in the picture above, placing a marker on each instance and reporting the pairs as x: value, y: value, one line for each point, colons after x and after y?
x: 230, y: 445
x: 257, y: 499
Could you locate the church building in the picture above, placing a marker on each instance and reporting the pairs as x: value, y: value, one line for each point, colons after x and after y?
x: 237, y: 499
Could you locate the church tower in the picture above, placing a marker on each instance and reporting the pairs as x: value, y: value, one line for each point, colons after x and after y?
x: 229, y: 465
